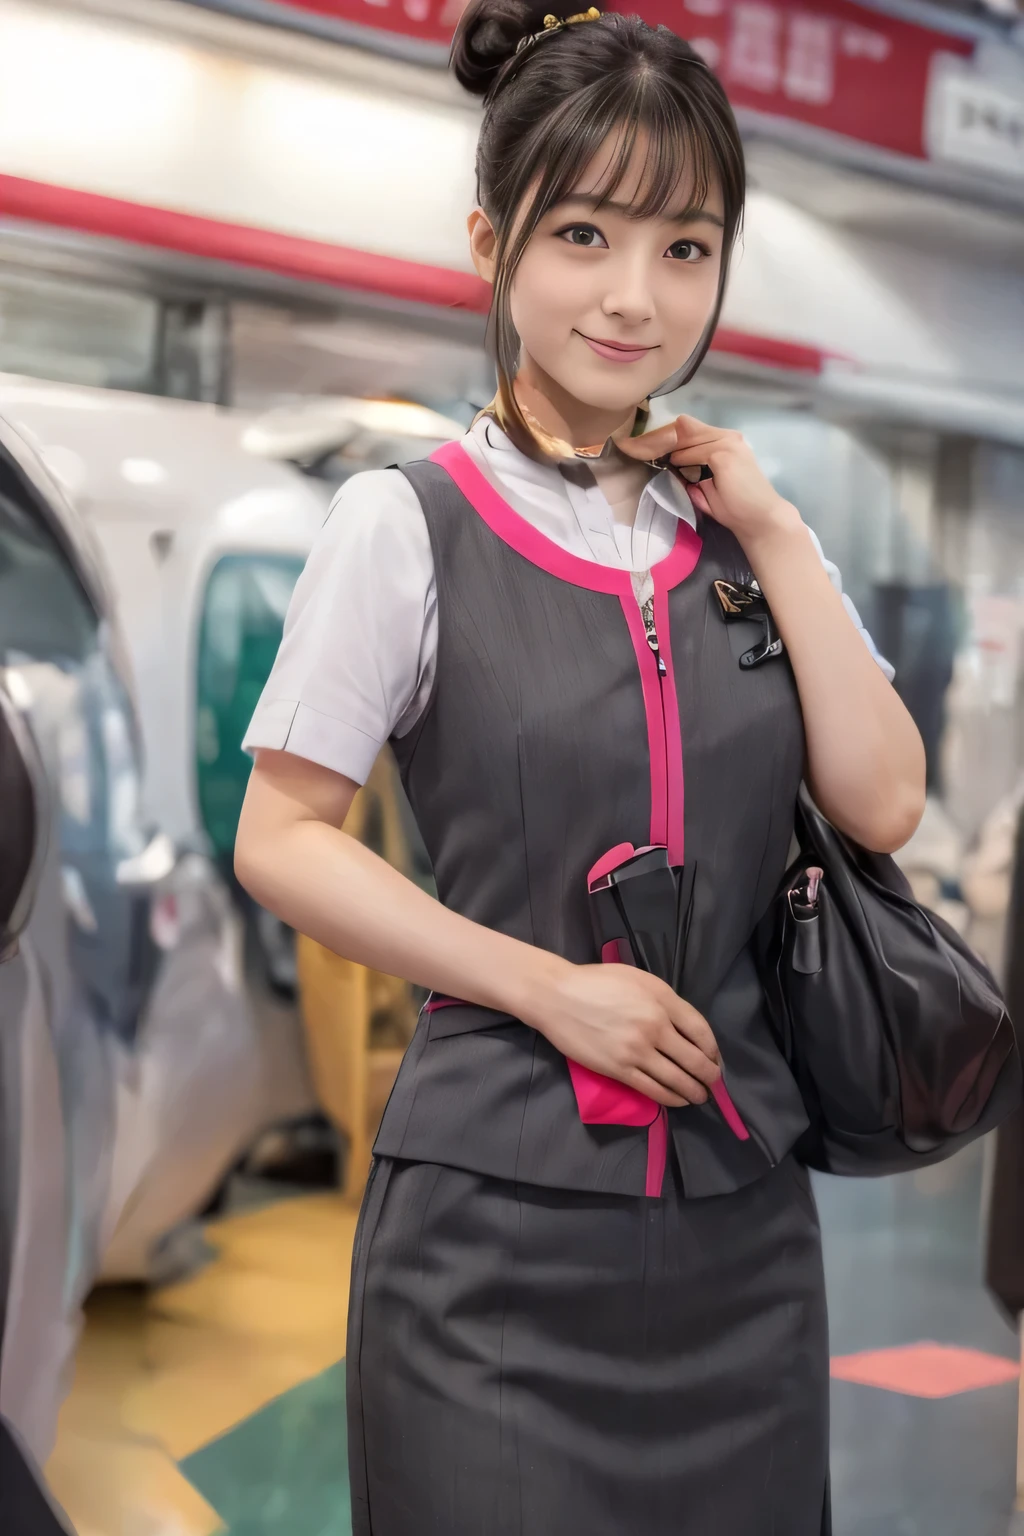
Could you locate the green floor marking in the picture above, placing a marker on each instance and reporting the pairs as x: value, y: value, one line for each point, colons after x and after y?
x: 284, y: 1471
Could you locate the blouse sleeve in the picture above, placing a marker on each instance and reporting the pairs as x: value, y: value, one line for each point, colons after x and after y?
x: 353, y: 654
x: 836, y: 579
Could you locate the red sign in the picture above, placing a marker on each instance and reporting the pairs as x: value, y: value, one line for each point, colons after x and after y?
x: 425, y: 21
x: 840, y: 66
x: 837, y: 65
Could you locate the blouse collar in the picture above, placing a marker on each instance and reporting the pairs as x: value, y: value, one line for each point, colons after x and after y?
x: 664, y: 487
x: 535, y: 442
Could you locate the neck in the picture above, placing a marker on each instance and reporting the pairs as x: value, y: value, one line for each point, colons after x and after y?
x: 563, y: 417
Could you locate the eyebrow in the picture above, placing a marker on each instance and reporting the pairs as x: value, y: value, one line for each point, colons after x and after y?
x: 692, y: 215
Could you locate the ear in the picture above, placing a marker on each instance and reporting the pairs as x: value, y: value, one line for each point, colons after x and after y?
x: 483, y: 243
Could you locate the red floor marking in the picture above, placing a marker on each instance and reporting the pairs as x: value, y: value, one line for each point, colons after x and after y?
x: 925, y: 1370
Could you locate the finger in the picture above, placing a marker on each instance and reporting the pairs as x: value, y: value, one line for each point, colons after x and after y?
x: 662, y: 440
x: 644, y: 1084
x: 692, y: 426
x: 689, y: 431
x: 665, y: 1084
x: 698, y: 499
x: 688, y: 1022
x: 697, y: 454
x: 664, y: 1071
x: 687, y: 1056
x: 702, y: 493
x: 650, y: 445
x: 710, y: 499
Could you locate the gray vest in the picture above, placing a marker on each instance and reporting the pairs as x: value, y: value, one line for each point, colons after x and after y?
x: 551, y: 735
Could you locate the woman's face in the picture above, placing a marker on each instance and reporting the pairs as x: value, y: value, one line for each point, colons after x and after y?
x: 609, y: 306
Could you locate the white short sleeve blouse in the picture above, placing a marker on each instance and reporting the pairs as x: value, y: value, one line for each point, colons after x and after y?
x: 357, y: 656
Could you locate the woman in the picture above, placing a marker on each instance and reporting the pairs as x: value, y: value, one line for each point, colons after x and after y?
x: 563, y: 1327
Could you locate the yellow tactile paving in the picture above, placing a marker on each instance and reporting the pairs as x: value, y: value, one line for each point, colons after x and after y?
x: 159, y: 1376
x: 110, y: 1482
x: 125, y: 1489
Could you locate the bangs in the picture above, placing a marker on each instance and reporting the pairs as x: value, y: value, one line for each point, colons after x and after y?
x: 684, y: 154
x: 678, y: 172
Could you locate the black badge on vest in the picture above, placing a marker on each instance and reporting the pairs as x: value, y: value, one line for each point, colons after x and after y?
x: 749, y: 603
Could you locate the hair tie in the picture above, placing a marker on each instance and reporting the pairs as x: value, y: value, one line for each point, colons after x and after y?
x: 553, y: 24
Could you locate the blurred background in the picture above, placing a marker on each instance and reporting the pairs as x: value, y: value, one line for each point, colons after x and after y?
x: 233, y: 272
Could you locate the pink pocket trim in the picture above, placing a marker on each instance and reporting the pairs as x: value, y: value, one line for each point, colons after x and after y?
x: 730, y: 1114
x: 604, y: 1101
x: 657, y: 1156
x: 432, y: 1004
x: 609, y: 861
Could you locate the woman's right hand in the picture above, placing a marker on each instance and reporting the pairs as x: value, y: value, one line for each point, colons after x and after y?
x: 629, y: 1025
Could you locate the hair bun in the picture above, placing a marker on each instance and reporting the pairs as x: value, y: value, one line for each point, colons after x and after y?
x: 488, y: 35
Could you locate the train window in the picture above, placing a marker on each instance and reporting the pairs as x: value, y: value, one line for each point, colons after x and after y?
x: 281, y: 356
x: 243, y: 616
x: 44, y: 613
x: 194, y: 340
x: 79, y: 333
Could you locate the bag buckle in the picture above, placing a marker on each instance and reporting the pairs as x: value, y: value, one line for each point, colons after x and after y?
x: 805, y: 895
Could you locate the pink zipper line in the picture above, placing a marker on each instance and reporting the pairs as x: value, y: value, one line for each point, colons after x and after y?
x: 666, y: 832
x: 665, y: 749
x: 674, y: 754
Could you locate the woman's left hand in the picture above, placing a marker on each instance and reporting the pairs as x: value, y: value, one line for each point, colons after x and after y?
x: 865, y: 761
x: 739, y: 495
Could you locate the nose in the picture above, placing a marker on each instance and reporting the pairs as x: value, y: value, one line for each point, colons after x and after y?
x: 629, y: 295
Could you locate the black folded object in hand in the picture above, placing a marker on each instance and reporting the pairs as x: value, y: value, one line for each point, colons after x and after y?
x: 644, y: 904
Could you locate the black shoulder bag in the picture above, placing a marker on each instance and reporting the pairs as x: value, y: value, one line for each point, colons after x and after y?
x: 895, y: 1031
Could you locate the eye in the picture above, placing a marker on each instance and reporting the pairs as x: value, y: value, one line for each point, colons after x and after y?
x: 688, y: 250
x: 585, y: 235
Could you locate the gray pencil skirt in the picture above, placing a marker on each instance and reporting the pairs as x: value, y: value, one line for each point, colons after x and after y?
x: 536, y: 1362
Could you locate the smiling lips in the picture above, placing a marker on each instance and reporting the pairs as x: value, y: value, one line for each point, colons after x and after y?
x: 616, y: 351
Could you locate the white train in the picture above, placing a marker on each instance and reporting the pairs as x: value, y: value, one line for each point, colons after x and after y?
x: 201, y: 533
x: 133, y: 944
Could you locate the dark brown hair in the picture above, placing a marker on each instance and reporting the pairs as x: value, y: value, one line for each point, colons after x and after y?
x: 549, y: 107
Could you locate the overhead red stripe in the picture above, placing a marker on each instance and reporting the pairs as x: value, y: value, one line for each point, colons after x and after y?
x: 270, y: 251
x: 770, y: 352
x: 311, y: 260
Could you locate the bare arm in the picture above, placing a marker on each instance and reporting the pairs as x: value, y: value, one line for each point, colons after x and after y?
x: 865, y: 757
x: 292, y: 857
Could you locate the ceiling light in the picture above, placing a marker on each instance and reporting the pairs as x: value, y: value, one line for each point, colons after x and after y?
x: 142, y: 471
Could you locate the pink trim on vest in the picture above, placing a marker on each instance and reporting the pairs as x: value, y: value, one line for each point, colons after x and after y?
x: 612, y: 859
x: 657, y: 748
x: 730, y: 1114
x: 654, y: 709
x: 602, y: 1100
x: 434, y: 1003
x: 528, y: 541
x: 657, y: 1155
x: 609, y: 861
x: 671, y: 733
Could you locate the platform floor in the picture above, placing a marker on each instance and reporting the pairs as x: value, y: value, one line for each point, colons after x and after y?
x: 218, y: 1403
